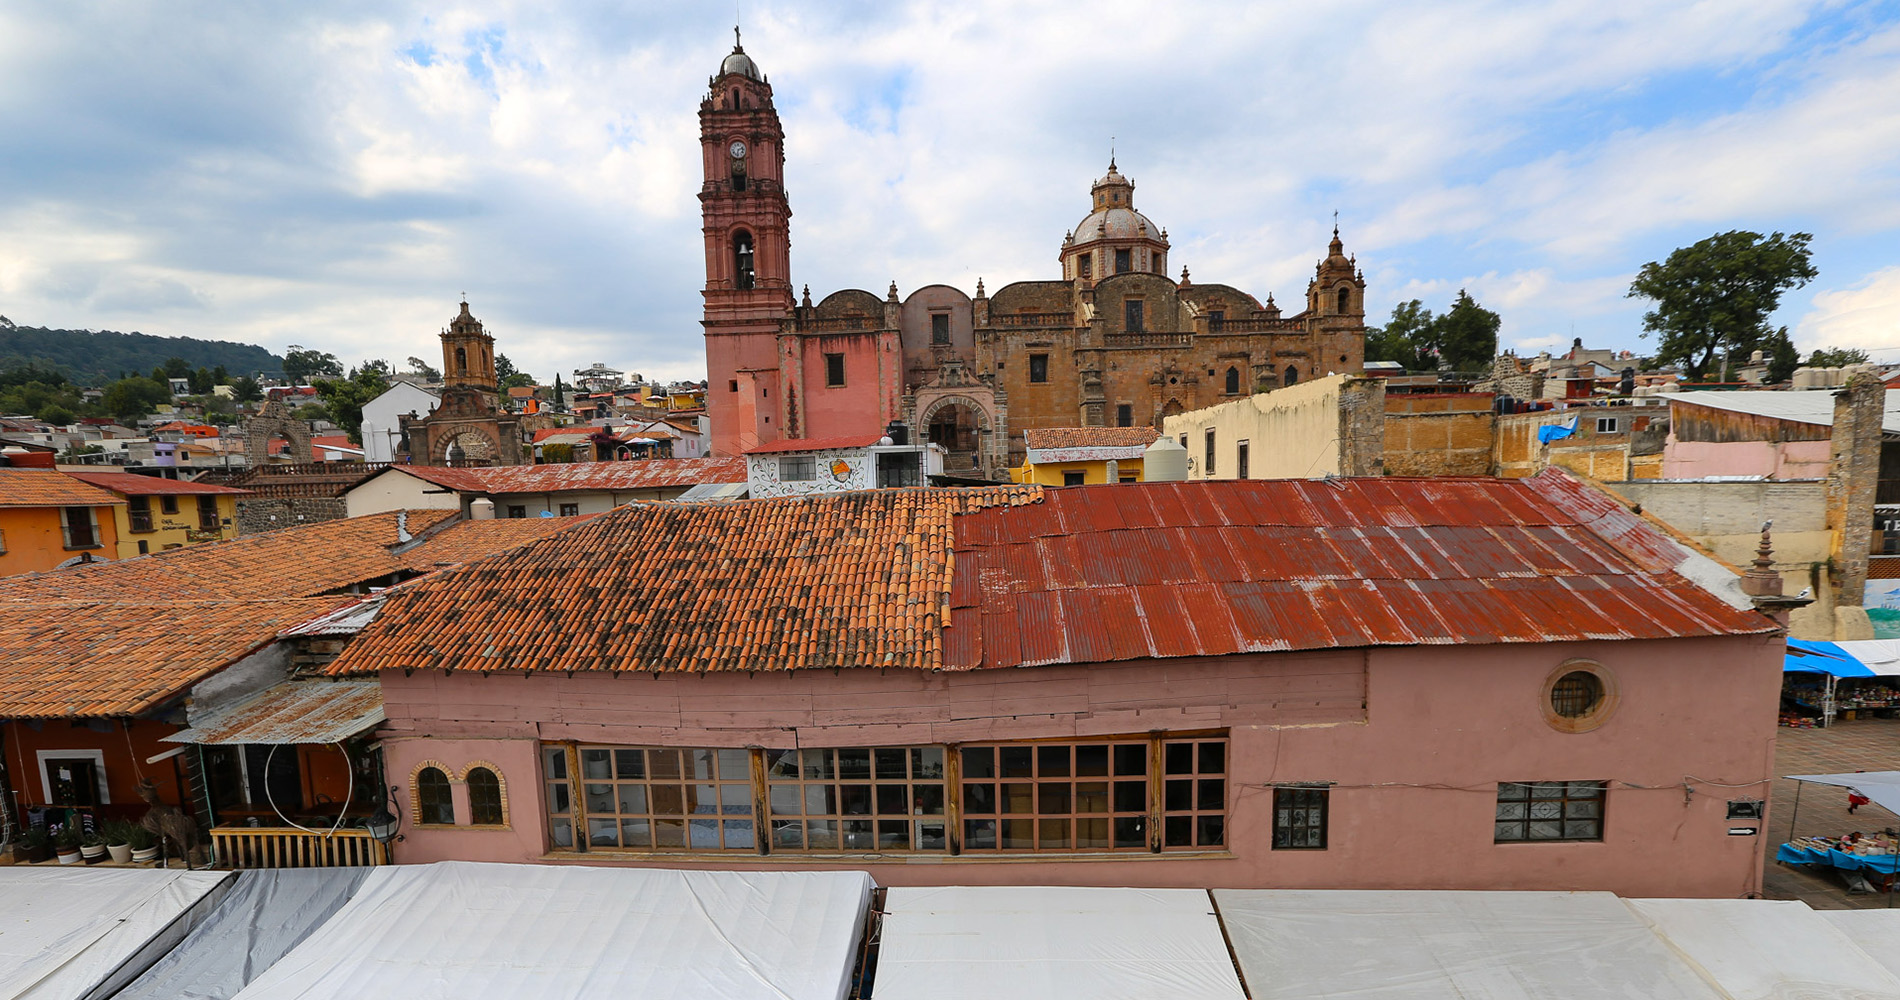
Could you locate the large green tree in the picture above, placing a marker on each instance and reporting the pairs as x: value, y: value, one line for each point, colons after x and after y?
x: 1712, y: 300
x: 131, y: 398
x: 1401, y: 338
x: 344, y: 397
x: 1836, y: 357
x: 508, y: 377
x: 1463, y: 339
x: 303, y: 366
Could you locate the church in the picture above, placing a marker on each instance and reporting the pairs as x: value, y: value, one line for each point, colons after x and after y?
x: 1112, y: 341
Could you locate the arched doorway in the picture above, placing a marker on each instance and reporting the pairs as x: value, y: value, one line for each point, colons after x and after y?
x: 466, y: 447
x: 957, y: 429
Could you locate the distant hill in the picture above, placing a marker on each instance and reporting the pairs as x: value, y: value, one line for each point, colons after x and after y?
x: 96, y: 358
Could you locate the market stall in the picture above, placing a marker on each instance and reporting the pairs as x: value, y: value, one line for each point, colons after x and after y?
x: 1818, y: 677
x: 81, y: 933
x: 1873, y: 855
x: 1052, y: 942
x: 1877, y: 695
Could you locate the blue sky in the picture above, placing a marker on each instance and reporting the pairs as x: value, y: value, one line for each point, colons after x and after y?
x: 336, y: 175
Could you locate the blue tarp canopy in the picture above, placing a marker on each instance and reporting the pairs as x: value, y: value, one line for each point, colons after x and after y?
x: 1805, y: 657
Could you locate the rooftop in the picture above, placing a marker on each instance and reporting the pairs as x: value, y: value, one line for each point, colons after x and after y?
x: 1807, y: 406
x: 817, y: 444
x: 644, y: 474
x: 132, y: 484
x: 48, y: 488
x: 1089, y: 437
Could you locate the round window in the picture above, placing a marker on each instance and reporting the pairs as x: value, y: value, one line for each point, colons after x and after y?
x: 1576, y: 694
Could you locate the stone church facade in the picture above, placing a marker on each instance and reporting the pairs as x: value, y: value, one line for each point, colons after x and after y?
x: 1113, y: 341
x: 469, y: 426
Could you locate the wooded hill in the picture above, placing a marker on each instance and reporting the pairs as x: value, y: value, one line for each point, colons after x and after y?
x: 94, y: 358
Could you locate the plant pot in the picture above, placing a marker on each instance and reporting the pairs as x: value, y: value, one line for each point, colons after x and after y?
x: 121, y: 853
x: 92, y: 852
x: 9, y: 853
x: 34, y: 855
x: 142, y: 854
x: 69, y: 857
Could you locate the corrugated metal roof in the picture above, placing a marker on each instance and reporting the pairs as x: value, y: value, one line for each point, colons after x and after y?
x: 314, y: 711
x: 817, y: 444
x: 715, y: 491
x: 1133, y: 571
x: 1801, y: 406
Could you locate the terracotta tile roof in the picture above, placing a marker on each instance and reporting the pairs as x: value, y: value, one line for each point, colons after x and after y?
x: 303, y: 561
x: 1132, y: 571
x: 548, y: 432
x: 135, y: 485
x: 467, y: 541
x: 644, y: 474
x: 48, y: 488
x: 92, y: 659
x: 1089, y: 437
x: 848, y: 579
x: 818, y: 444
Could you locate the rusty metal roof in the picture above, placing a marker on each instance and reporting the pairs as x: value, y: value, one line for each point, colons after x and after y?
x: 1133, y: 571
x: 313, y: 711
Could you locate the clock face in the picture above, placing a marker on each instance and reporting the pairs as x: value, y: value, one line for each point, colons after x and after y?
x: 737, y: 149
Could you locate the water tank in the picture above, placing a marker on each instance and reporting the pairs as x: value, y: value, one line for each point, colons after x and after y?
x: 481, y: 509
x: 1807, y: 378
x: 1165, y: 461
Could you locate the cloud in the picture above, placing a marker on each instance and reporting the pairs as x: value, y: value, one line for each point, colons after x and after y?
x: 1865, y: 315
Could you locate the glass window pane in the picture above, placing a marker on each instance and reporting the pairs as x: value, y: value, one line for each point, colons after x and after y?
x: 979, y: 833
x: 1213, y: 758
x: 556, y: 762
x: 633, y: 798
x: 703, y: 798
x: 1512, y: 810
x: 704, y: 834
x: 1586, y: 789
x: 821, y: 800
x: 1179, y: 794
x: 1091, y: 834
x: 1209, y: 830
x: 854, y: 763
x: 1131, y: 759
x: 1547, y: 789
x: 735, y: 765
x: 854, y: 800
x: 557, y: 800
x: 630, y: 764
x: 821, y: 834
x: 893, y: 800
x: 979, y: 762
x: 781, y: 763
x: 701, y: 761
x: 603, y: 832
x: 1513, y: 790
x: 600, y: 798
x: 1131, y: 831
x: 1586, y: 809
x: 668, y: 800
x: 1546, y: 810
x: 1054, y: 797
x: 858, y: 835
x: 926, y: 762
x: 890, y: 764
x: 927, y: 800
x: 1213, y: 794
x: 1016, y: 762
x: 1019, y: 798
x: 1052, y: 762
x: 1178, y: 758
x: 1178, y: 831
x: 1052, y: 833
x: 1509, y: 831
x: 563, y: 832
x: 784, y: 799
x: 1131, y: 796
x: 1091, y: 761
x: 636, y: 833
x: 817, y: 764
x: 1019, y: 834
x: 893, y: 834
x: 735, y: 799
x: 1581, y: 829
x: 594, y: 764
x: 738, y: 834
x: 788, y: 834
x: 979, y: 798
x: 1545, y: 830
x: 669, y: 833
x: 663, y: 763
x: 1091, y: 796
x: 931, y: 836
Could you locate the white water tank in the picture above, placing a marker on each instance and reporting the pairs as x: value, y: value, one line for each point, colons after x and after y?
x: 481, y: 509
x: 1164, y: 461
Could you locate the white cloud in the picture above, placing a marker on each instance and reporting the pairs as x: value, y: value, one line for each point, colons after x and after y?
x: 1865, y: 315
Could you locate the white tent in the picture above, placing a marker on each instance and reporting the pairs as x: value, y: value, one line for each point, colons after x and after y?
x: 1464, y: 945
x: 466, y: 930
x: 1882, y: 656
x: 80, y: 933
x: 1052, y: 943
x: 1883, y: 787
x: 1877, y: 932
x: 1761, y: 949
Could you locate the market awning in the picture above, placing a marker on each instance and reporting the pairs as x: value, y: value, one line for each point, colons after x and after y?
x: 715, y: 491
x: 293, y: 712
x: 1881, y: 657
x: 1805, y: 657
x: 86, y: 932
x: 1881, y: 786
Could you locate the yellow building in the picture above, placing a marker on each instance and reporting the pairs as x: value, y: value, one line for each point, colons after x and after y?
x: 158, y: 514
x: 1076, y: 456
x: 48, y: 519
x: 1333, y: 426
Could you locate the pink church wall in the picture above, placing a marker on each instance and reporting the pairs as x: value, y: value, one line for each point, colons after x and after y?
x: 1781, y: 460
x: 1415, y: 769
x: 857, y: 406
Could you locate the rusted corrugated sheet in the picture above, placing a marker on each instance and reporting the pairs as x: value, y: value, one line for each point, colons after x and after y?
x: 293, y: 712
x: 1209, y: 569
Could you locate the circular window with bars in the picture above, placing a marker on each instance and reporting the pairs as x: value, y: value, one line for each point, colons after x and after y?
x: 1578, y: 696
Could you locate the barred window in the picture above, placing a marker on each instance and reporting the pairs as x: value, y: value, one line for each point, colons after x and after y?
x: 798, y: 468
x: 1056, y: 797
x: 433, y: 801
x: 856, y: 799
x: 664, y: 799
x: 484, y: 797
x: 1299, y: 818
x: 207, y: 514
x: 1549, y: 810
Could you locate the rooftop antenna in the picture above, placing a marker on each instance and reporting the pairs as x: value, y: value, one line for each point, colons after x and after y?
x: 1111, y: 152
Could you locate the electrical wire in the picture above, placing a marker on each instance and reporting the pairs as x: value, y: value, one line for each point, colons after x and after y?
x: 342, y: 810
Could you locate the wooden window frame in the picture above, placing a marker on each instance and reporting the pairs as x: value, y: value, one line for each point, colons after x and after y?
x: 834, y: 370
x: 168, y: 504
x: 138, y: 515
x: 637, y: 782
x: 570, y: 510
x: 66, y: 517
x: 208, y: 518
x: 1566, y: 793
x: 895, y: 799
x: 1208, y: 462
x: 501, y: 796
x: 940, y: 329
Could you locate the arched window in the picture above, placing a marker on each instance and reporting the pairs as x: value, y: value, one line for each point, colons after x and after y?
x: 735, y: 99
x: 742, y: 260
x: 1345, y: 300
x: 484, y: 798
x: 433, y: 803
x: 1233, y: 381
x: 461, y: 361
x: 1292, y: 375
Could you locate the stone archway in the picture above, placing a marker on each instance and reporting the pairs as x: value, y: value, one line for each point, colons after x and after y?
x: 274, y: 421
x: 966, y: 428
x: 463, y: 445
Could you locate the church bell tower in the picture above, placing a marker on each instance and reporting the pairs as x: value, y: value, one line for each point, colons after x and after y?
x: 747, y: 229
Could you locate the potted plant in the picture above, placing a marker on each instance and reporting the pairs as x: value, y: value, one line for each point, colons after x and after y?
x: 34, y: 846
x: 119, y: 841
x: 92, y: 847
x: 67, y: 844
x: 144, y: 845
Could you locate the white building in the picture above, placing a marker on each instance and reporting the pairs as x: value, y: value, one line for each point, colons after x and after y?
x: 382, y: 418
x: 835, y: 465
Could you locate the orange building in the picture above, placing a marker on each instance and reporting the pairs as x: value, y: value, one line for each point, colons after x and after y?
x: 48, y: 519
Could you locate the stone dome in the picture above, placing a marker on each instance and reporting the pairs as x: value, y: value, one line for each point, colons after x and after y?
x: 1116, y: 224
x: 739, y: 62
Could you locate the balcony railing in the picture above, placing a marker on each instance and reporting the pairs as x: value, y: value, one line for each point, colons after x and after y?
x: 1032, y: 319
x: 1149, y: 339
x: 842, y: 324
x: 283, y: 847
x: 1260, y: 325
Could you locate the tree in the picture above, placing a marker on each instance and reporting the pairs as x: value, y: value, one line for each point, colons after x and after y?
x: 1836, y: 357
x: 301, y: 366
x: 57, y: 415
x: 1401, y: 337
x: 201, y: 381
x: 1713, y: 299
x: 344, y: 397
x: 246, y: 390
x: 1466, y: 338
x: 507, y: 377
x: 219, y: 376
x: 1782, y: 358
x: 176, y: 367
x: 424, y: 369
x: 560, y: 395
x: 131, y: 398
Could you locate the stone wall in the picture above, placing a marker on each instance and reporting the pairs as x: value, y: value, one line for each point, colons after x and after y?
x: 262, y: 514
x: 1439, y: 434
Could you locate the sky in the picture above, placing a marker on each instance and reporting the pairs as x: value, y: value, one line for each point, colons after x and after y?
x: 336, y: 175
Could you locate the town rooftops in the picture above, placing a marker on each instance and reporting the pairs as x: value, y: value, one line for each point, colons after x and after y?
x: 134, y: 485
x: 1089, y: 437
x: 642, y: 474
x: 950, y: 579
x: 1808, y: 406
x: 48, y: 488
x: 818, y: 444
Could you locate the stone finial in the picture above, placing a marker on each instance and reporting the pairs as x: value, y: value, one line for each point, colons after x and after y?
x: 1184, y: 276
x: 1761, y: 580
x: 979, y: 288
x: 807, y: 302
x: 892, y: 295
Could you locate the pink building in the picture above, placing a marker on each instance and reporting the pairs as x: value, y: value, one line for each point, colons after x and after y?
x: 1380, y: 683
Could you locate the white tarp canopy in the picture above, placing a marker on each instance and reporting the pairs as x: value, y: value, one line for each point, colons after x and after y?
x: 1762, y: 949
x: 459, y: 930
x: 1328, y: 943
x: 1052, y: 943
x: 1882, y: 656
x: 1877, y: 932
x: 79, y: 933
x: 264, y: 915
x: 1883, y: 787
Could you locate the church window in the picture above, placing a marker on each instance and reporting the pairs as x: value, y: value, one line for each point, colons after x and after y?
x: 1154, y: 263
x: 461, y: 361
x: 742, y: 260
x: 1084, y: 265
x: 1207, y: 455
x: 1039, y: 368
x: 1345, y: 299
x: 1121, y: 261
x: 1233, y: 381
x: 1215, y: 317
x: 1292, y: 375
x: 738, y: 175
x: 1124, y: 415
x: 940, y: 328
x: 1133, y: 315
x: 734, y: 102
x: 834, y: 369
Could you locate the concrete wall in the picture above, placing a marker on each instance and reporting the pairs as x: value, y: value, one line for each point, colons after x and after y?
x: 1414, y: 766
x: 1775, y: 459
x: 1439, y: 434
x: 395, y: 489
x: 1726, y: 519
x: 1329, y: 426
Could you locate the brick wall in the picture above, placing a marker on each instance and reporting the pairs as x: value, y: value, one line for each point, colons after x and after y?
x: 270, y: 513
x: 1439, y: 434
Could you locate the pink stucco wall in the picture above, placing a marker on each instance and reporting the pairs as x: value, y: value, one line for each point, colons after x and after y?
x: 1781, y: 460
x: 1415, y: 769
x: 859, y: 405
